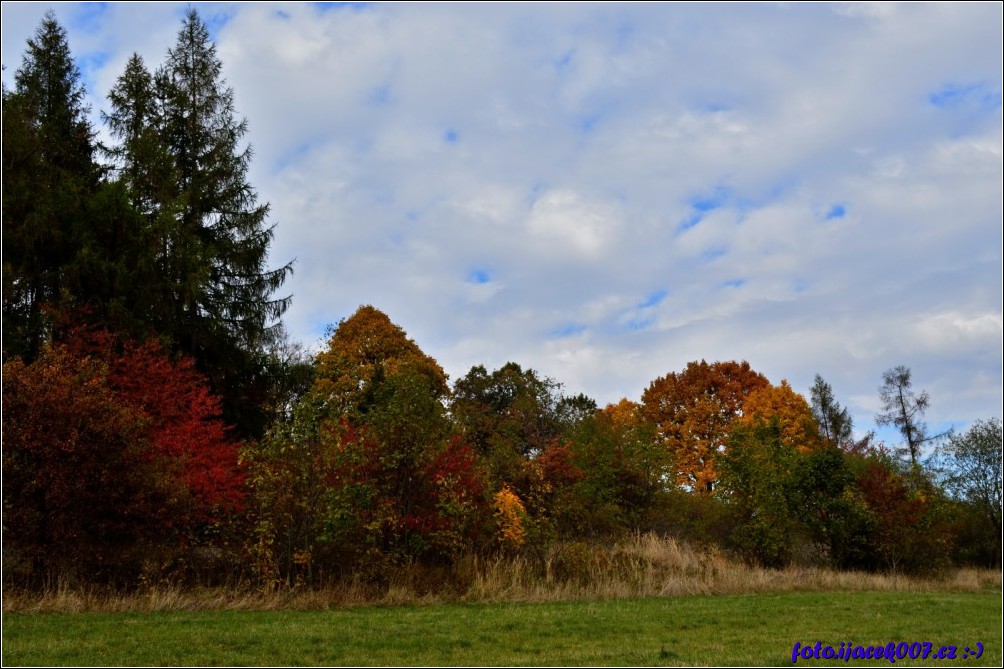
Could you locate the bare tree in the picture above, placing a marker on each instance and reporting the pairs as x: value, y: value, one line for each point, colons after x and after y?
x: 905, y: 409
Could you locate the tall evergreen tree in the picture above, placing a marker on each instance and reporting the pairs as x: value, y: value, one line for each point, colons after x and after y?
x: 145, y: 169
x: 141, y: 158
x: 179, y: 152
x: 835, y: 422
x: 50, y: 179
x: 219, y: 205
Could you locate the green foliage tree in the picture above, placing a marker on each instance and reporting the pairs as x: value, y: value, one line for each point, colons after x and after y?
x: 756, y: 485
x: 141, y: 157
x: 790, y: 504
x: 290, y: 368
x: 623, y: 473
x: 203, y: 138
x: 511, y: 416
x: 823, y: 497
x: 144, y: 169
x: 974, y: 472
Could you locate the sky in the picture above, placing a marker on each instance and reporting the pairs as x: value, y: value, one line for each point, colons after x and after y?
x: 606, y: 192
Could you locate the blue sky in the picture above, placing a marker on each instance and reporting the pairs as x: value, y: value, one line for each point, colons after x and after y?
x: 605, y: 192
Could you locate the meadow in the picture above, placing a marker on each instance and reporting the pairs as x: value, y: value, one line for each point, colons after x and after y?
x: 756, y: 629
x: 645, y: 601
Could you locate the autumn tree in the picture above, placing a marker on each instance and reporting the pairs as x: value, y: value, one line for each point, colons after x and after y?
x: 902, y: 534
x: 182, y: 422
x: 362, y: 347
x: 429, y: 489
x: 694, y: 411
x: 134, y: 425
x: 368, y: 471
x: 82, y: 498
x: 288, y: 471
x: 512, y: 415
x: 835, y: 423
x: 792, y: 412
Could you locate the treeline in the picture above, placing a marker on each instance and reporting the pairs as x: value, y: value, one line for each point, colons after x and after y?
x: 158, y: 424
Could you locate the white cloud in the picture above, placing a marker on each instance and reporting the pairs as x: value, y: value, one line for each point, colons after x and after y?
x: 947, y: 333
x: 562, y: 221
x: 517, y: 181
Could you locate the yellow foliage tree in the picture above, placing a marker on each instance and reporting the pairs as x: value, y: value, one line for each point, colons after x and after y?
x: 625, y: 414
x: 510, y: 515
x: 790, y: 409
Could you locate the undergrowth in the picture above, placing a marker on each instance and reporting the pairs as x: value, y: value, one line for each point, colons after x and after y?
x: 640, y: 566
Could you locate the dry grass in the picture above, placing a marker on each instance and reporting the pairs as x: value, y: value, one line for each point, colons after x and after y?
x: 642, y: 566
x: 651, y: 566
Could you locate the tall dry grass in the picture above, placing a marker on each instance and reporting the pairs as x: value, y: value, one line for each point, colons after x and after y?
x: 652, y: 566
x: 640, y: 566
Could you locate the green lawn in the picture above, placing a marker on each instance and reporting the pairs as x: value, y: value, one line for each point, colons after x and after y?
x: 740, y: 630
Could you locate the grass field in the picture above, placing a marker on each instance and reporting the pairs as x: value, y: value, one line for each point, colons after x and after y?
x: 757, y: 629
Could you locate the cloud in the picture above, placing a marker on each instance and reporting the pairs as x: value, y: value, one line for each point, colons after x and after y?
x: 563, y: 221
x: 607, y: 193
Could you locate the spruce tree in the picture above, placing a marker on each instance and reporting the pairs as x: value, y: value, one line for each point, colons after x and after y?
x: 219, y: 204
x: 144, y: 168
x: 50, y: 179
x: 180, y: 154
x: 140, y: 159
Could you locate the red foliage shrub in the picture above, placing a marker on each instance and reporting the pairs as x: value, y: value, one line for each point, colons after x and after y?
x: 184, y: 428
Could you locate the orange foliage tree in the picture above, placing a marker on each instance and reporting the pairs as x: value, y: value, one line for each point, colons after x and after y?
x: 363, y: 346
x: 694, y: 411
x: 510, y: 516
x: 789, y: 409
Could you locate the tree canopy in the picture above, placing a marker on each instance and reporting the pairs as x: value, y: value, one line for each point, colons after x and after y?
x: 694, y: 411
